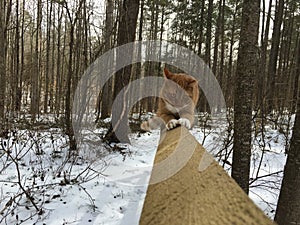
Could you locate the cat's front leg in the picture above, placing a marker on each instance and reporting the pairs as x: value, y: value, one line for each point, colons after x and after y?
x: 172, y: 124
x: 185, y: 122
x: 169, y: 119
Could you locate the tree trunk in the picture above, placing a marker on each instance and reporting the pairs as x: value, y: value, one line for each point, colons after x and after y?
x: 53, y: 62
x: 274, y: 55
x: 230, y: 76
x: 58, y: 88
x: 20, y: 92
x: 126, y: 34
x: 208, y: 32
x: 106, y: 102
x: 5, y: 10
x: 246, y: 71
x: 261, y: 93
x: 217, y: 38
x: 207, y: 54
x: 47, y: 68
x: 296, y: 81
x: 69, y: 129
x: 201, y: 28
x: 288, y: 207
x: 70, y: 80
x: 35, y: 79
x: 222, y: 53
x: 16, y: 64
x: 139, y: 106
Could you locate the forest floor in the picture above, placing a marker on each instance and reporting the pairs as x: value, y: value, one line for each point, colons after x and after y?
x: 40, y: 185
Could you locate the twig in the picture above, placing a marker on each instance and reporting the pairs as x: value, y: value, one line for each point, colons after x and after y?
x: 26, y: 192
x: 263, y: 176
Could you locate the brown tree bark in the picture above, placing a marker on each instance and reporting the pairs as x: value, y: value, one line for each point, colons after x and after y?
x: 208, y: 32
x: 59, y: 80
x: 246, y: 71
x: 47, y: 67
x: 230, y: 75
x: 200, y: 38
x: 126, y: 34
x: 296, y: 81
x: 272, y: 67
x: 16, y: 64
x: 106, y: 102
x: 261, y: 82
x: 138, y: 71
x: 70, y: 77
x: 22, y: 66
x: 217, y: 40
x: 5, y: 11
x: 288, y: 207
x: 35, y: 78
x: 207, y: 54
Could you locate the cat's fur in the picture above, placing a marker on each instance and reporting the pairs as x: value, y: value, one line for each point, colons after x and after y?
x: 178, y: 98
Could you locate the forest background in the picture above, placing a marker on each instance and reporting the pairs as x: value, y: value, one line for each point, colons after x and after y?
x: 46, y: 46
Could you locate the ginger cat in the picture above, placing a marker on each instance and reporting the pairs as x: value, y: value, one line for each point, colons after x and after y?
x: 178, y: 98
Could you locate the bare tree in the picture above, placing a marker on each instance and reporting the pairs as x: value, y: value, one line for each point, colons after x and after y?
x: 70, y: 76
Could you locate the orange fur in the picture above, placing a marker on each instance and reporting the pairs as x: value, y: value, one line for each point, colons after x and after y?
x: 178, y: 98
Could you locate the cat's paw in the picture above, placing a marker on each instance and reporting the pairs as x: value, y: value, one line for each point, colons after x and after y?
x: 172, y: 124
x: 185, y: 122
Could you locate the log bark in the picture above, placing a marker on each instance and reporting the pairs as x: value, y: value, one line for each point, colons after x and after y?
x: 191, y: 196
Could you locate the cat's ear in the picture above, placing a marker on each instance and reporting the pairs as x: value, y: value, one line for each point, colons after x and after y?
x: 167, y: 73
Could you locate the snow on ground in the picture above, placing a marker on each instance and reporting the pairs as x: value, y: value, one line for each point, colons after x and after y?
x: 106, y: 191
x: 110, y: 189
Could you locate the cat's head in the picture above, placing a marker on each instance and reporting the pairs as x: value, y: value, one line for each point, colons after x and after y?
x: 179, y: 89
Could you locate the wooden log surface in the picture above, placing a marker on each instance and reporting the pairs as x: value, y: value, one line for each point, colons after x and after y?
x: 205, y: 196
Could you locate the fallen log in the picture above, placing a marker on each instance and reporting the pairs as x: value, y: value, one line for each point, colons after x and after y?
x: 200, y: 193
